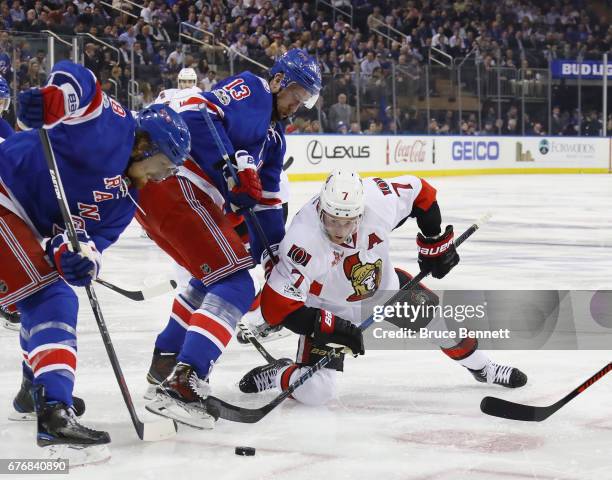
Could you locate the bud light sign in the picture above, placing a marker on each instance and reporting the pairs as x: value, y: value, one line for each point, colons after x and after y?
x: 475, y: 150
x: 587, y: 69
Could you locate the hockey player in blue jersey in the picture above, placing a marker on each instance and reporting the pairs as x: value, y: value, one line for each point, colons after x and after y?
x: 190, y: 217
x: 104, y: 156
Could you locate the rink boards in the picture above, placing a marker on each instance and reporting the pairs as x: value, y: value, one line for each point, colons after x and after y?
x: 388, y: 155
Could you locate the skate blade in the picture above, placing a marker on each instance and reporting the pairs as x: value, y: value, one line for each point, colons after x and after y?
x: 78, y: 455
x: 169, y: 408
x: 16, y: 416
x: 150, y: 393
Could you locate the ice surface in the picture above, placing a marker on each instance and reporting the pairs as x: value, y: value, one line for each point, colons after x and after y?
x: 400, y: 414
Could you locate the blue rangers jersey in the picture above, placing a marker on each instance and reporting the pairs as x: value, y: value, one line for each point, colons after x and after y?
x: 241, y: 110
x: 92, y: 146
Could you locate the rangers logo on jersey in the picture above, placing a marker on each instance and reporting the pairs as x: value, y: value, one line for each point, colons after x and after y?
x: 365, y: 277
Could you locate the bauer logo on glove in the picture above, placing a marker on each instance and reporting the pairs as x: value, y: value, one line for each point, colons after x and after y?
x: 437, y: 254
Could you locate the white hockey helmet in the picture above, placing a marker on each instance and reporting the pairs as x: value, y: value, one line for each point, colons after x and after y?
x: 341, y: 204
x: 187, y: 77
x: 342, y: 194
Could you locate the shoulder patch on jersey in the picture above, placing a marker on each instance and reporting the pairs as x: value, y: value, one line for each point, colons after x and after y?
x: 298, y: 255
x: 265, y: 84
x: 222, y: 96
x: 382, y: 185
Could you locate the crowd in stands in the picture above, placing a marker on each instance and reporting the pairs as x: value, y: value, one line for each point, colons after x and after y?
x: 359, y: 64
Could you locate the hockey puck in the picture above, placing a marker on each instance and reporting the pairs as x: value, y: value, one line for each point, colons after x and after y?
x: 244, y: 451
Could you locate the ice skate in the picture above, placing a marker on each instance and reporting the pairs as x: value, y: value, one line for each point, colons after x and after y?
x: 57, y: 424
x: 262, y: 378
x: 10, y: 320
x: 503, y: 375
x: 182, y: 397
x: 23, y: 404
x: 162, y: 365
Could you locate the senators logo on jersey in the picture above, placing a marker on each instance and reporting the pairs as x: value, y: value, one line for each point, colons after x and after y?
x: 365, y: 277
x: 298, y: 255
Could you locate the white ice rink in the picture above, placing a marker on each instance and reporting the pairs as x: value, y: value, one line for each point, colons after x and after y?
x: 400, y: 414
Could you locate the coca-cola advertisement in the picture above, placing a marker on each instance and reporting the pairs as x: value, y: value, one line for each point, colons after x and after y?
x: 411, y: 150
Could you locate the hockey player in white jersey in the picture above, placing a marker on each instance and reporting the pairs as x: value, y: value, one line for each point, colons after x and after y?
x: 334, y: 256
x: 187, y: 81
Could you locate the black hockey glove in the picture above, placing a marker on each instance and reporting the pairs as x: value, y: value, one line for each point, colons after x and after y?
x: 437, y: 254
x: 331, y: 329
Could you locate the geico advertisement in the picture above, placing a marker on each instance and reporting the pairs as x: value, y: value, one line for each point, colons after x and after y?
x: 459, y: 153
x: 322, y: 153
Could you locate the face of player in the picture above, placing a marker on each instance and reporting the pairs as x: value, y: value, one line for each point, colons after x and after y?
x: 186, y: 83
x: 290, y: 99
x: 155, y: 168
x: 339, y: 229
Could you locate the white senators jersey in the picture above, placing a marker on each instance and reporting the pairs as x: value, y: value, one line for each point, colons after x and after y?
x: 315, y: 272
x: 173, y: 96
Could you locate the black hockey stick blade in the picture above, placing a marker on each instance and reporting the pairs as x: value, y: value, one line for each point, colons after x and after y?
x: 499, y: 407
x: 221, y: 409
x: 287, y: 164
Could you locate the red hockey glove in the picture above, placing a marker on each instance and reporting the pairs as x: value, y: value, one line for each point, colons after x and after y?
x: 46, y: 106
x: 247, y: 193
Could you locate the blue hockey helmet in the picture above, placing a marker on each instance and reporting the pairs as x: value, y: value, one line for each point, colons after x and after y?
x: 299, y: 67
x: 5, y: 94
x: 167, y: 130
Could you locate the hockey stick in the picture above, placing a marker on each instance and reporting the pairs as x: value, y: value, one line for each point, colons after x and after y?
x: 221, y: 409
x: 159, y: 430
x: 499, y: 407
x: 144, y: 294
x: 288, y: 164
x: 246, y: 331
x: 250, y: 217
x: 12, y: 322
